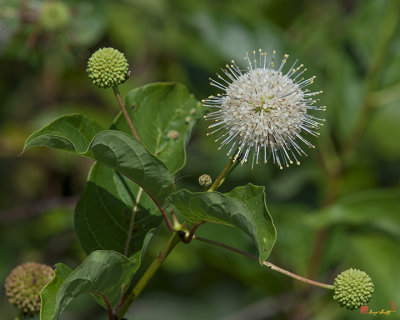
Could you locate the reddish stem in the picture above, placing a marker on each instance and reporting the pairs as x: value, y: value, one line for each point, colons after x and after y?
x: 109, y: 309
x: 128, y: 119
x: 169, y: 225
x: 191, y: 233
x: 164, y: 214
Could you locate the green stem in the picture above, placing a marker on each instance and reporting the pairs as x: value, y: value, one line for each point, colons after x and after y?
x: 128, y: 119
x: 266, y: 263
x: 151, y: 270
x: 233, y: 167
x: 224, y: 174
x: 132, y: 222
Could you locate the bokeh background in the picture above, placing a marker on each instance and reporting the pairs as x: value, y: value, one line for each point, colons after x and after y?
x: 339, y: 209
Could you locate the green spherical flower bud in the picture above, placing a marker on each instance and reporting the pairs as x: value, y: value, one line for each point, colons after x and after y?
x: 54, y: 14
x: 107, y: 67
x: 24, y: 284
x: 353, y: 288
x: 205, y: 180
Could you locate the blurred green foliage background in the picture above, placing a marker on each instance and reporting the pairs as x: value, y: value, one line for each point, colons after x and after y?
x: 339, y: 209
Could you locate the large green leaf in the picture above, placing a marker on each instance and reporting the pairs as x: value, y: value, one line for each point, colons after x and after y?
x: 71, y: 133
x: 243, y: 207
x: 164, y: 115
x: 115, y: 149
x: 48, y: 295
x: 104, y: 210
x: 103, y: 272
x: 125, y: 154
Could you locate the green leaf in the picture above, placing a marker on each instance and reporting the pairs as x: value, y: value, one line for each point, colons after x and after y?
x: 115, y: 149
x: 159, y: 109
x: 48, y: 294
x: 71, y: 133
x: 244, y: 207
x: 104, y: 211
x: 126, y: 155
x: 103, y: 272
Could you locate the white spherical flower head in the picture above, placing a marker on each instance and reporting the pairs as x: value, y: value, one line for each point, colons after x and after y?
x: 264, y: 110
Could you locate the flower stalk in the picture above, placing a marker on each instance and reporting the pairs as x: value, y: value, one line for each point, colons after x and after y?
x: 266, y: 263
x: 223, y: 175
x: 122, y: 106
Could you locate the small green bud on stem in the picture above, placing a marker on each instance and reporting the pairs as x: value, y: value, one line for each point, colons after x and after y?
x: 205, y: 180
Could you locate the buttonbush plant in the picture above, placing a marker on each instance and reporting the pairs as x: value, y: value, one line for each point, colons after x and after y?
x: 263, y: 112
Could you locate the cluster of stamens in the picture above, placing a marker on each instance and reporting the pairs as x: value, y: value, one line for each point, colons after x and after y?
x: 264, y: 110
